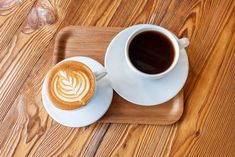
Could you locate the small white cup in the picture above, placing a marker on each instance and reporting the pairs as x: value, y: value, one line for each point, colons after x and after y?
x: 97, y: 74
x: 177, y: 44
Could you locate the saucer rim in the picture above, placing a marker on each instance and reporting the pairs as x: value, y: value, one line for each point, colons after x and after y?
x: 138, y: 26
x: 52, y: 115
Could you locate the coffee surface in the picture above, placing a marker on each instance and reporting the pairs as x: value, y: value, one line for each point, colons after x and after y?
x: 71, y: 85
x: 151, y: 52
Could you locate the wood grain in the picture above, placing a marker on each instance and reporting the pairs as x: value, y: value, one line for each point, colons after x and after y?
x: 92, y: 42
x: 207, y: 127
x: 12, y: 15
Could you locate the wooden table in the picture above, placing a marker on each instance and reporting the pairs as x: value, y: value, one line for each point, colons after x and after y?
x: 27, y: 32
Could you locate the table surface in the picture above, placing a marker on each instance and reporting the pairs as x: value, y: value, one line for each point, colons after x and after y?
x: 27, y: 32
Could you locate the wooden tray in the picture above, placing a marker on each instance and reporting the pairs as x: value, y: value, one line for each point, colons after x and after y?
x: 92, y: 42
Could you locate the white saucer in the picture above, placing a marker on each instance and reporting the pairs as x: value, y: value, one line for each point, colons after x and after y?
x: 138, y: 90
x: 90, y: 113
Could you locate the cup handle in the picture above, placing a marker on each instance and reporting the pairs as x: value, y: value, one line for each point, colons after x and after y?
x: 100, y: 74
x: 183, y: 42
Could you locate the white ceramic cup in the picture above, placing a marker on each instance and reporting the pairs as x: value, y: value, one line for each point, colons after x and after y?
x: 177, y: 44
x: 97, y: 74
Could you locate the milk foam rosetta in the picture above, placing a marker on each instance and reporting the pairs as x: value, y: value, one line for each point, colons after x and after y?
x: 71, y: 85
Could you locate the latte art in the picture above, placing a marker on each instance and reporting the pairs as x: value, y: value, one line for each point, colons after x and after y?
x: 71, y: 85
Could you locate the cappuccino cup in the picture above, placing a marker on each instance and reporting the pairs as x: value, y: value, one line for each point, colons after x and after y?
x: 71, y: 84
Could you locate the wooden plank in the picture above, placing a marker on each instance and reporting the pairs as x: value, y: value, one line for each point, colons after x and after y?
x: 137, y: 140
x: 27, y: 48
x: 208, y: 128
x: 12, y: 14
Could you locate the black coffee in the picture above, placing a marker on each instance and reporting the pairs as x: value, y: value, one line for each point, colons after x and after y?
x: 151, y: 52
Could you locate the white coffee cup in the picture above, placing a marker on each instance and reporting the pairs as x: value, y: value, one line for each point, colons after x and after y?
x: 97, y: 75
x: 177, y: 44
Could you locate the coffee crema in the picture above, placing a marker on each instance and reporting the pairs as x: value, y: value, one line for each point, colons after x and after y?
x: 71, y: 84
